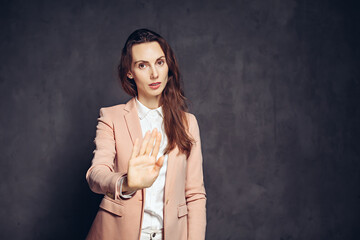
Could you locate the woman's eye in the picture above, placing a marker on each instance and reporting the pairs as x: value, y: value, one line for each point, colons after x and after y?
x: 141, y: 65
x: 161, y: 62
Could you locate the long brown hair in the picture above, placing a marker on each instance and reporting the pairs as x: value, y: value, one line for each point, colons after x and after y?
x: 172, y: 99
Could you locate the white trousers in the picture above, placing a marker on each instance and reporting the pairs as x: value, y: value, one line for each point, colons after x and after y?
x: 148, y: 234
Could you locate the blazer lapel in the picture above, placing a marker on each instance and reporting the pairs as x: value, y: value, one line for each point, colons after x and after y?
x: 133, y: 124
x: 132, y: 120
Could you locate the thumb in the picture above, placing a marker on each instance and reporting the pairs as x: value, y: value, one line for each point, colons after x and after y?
x: 159, y: 163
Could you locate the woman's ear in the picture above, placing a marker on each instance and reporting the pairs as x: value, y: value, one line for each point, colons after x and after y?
x: 129, y: 75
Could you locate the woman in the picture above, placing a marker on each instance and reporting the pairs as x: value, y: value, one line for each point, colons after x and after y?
x: 148, y: 160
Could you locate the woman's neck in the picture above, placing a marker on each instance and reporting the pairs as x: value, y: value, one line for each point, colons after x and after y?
x: 151, y: 103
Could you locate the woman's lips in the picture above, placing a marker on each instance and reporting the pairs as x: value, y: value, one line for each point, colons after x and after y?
x: 155, y: 85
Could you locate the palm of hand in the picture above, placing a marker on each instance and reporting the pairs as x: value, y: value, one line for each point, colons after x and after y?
x: 143, y: 167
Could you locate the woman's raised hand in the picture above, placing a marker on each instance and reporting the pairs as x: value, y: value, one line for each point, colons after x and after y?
x: 143, y: 167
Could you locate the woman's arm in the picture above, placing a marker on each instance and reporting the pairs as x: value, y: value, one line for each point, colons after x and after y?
x: 194, y: 189
x: 101, y: 176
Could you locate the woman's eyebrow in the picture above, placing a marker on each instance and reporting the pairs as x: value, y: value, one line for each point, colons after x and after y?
x: 148, y: 61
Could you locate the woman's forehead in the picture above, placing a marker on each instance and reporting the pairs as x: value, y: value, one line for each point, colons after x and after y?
x: 149, y: 51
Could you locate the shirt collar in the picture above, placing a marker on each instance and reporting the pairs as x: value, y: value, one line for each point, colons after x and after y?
x: 143, y: 110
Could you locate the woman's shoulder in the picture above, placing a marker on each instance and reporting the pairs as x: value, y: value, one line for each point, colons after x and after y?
x: 192, y: 121
x: 190, y: 116
x: 115, y: 110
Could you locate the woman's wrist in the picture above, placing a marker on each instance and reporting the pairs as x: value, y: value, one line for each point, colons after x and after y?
x: 124, y: 191
x: 125, y: 186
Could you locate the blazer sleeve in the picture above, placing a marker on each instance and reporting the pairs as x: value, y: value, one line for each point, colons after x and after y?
x: 194, y: 188
x: 101, y: 176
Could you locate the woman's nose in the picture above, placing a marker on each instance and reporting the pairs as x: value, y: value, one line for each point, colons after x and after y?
x: 154, y: 72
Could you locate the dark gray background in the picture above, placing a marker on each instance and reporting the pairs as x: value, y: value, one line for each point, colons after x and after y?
x: 274, y: 85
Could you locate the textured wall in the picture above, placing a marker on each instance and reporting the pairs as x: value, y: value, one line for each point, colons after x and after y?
x: 274, y: 85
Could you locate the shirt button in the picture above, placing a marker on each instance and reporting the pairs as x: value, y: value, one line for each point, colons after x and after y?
x: 167, y: 201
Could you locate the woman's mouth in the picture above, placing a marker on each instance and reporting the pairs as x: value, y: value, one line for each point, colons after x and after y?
x: 155, y: 85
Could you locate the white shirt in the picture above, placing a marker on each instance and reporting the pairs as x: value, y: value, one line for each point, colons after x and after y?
x: 154, y: 197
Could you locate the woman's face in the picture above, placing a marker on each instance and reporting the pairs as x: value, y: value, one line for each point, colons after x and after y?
x: 149, y: 71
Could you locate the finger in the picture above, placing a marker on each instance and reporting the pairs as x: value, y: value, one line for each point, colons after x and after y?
x: 144, y: 143
x: 159, y: 163
x: 135, y: 150
x: 157, y: 145
x: 150, y: 144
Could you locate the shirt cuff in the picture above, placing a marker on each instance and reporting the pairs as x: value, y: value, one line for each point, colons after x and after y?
x: 127, y: 195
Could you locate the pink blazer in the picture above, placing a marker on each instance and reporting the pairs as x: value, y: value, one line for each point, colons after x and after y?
x: 184, y: 197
